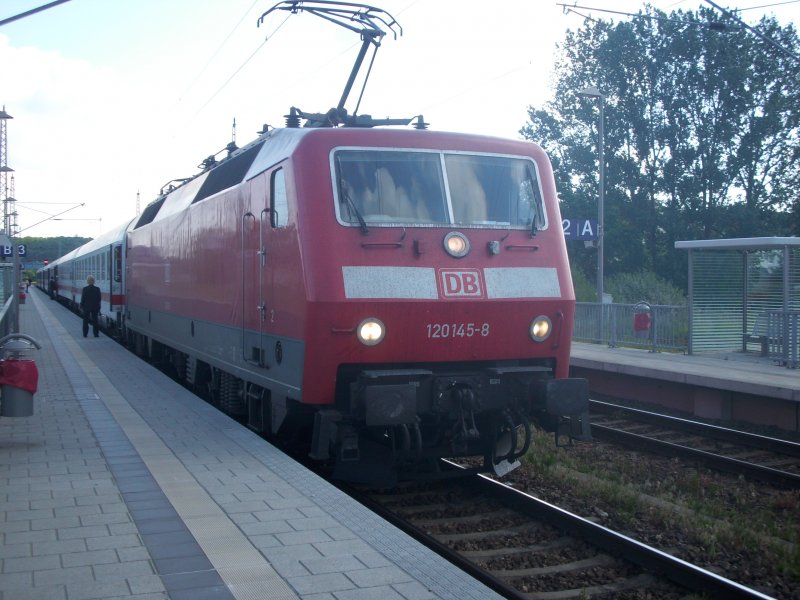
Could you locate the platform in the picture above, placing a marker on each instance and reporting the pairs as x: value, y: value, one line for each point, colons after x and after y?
x: 125, y: 485
x: 730, y: 386
x: 746, y: 372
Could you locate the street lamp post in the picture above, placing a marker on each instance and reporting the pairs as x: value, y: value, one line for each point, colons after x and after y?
x: 593, y: 92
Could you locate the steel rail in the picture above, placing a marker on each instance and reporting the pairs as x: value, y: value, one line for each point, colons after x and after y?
x: 720, y: 462
x: 717, y: 461
x: 762, y: 442
x: 690, y: 576
x: 429, y: 541
x: 679, y: 571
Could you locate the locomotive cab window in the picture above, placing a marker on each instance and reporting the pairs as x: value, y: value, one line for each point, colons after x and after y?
x: 493, y: 191
x: 401, y: 187
x: 396, y: 187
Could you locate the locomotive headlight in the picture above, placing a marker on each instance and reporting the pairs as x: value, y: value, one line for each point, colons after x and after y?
x: 370, y: 331
x: 456, y: 244
x: 540, y: 328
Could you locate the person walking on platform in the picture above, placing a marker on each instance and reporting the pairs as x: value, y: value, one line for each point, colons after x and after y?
x: 90, y: 306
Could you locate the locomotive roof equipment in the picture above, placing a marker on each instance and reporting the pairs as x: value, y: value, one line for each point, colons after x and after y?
x: 366, y: 21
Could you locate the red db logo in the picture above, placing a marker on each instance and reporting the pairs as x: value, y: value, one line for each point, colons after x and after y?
x: 460, y: 283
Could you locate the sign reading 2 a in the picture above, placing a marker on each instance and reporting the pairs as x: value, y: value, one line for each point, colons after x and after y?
x: 579, y: 229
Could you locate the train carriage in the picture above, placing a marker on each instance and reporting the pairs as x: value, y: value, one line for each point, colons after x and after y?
x: 103, y: 258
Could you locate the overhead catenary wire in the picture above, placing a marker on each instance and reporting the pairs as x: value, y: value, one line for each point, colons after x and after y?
x: 774, y: 4
x: 242, y: 66
x: 570, y: 8
x: 218, y: 50
x: 32, y: 11
x: 755, y: 31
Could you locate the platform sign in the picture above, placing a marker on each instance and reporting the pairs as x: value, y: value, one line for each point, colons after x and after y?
x: 8, y: 250
x: 579, y: 229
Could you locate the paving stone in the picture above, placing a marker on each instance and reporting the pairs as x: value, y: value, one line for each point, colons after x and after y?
x: 65, y: 576
x: 120, y: 571
x: 378, y: 576
x: 45, y: 592
x: 58, y: 547
x: 89, y: 558
x: 382, y: 592
x: 97, y: 590
x: 15, y: 550
x: 330, y: 582
x: 30, y: 563
x: 91, y: 531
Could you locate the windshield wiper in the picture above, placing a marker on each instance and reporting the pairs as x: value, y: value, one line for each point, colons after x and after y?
x: 534, y: 222
x: 354, y: 210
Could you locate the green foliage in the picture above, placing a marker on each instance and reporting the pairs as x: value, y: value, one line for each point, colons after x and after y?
x: 585, y: 291
x: 50, y: 248
x: 701, y: 135
x: 630, y: 288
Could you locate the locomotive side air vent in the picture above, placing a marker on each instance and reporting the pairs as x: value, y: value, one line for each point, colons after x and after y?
x: 150, y: 212
x: 229, y: 173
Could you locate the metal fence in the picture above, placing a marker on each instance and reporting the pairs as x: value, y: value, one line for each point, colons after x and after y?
x: 782, y: 336
x: 652, y: 326
x: 7, y: 317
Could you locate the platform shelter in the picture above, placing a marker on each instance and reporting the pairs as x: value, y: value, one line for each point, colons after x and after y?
x: 742, y: 289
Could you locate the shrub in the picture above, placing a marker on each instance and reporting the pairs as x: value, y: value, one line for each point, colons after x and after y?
x: 585, y: 291
x: 630, y: 288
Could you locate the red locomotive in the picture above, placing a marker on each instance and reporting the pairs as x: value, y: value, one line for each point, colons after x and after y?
x: 388, y: 296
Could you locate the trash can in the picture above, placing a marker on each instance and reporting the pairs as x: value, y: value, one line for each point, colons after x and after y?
x: 642, y: 320
x: 18, y: 383
x: 19, y: 377
x: 22, y: 297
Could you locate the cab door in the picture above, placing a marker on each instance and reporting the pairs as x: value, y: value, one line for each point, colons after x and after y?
x: 254, y: 266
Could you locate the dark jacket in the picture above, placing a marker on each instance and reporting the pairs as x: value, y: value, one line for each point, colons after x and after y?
x: 90, y: 299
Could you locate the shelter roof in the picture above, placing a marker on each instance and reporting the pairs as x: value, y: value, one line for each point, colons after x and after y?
x: 757, y: 243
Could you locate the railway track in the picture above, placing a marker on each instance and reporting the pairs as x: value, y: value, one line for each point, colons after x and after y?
x: 523, y: 547
x: 766, y: 459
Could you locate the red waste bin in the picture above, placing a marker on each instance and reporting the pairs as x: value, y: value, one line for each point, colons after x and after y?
x: 19, y: 379
x: 642, y: 320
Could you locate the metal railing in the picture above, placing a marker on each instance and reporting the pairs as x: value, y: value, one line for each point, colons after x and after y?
x: 652, y: 326
x: 7, y: 317
x: 782, y: 336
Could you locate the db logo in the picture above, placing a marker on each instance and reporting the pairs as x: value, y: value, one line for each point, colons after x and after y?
x: 460, y: 283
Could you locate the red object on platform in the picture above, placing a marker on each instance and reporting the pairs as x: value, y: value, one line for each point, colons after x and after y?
x: 641, y: 321
x: 21, y: 374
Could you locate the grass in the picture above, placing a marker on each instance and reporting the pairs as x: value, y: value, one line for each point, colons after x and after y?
x: 722, y: 515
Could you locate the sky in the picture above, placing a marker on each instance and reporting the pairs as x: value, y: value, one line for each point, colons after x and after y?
x: 111, y: 99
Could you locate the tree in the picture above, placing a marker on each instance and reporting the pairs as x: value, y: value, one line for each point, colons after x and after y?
x: 702, y: 135
x: 41, y: 249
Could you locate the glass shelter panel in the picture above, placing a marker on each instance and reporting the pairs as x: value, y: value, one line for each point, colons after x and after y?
x: 717, y: 310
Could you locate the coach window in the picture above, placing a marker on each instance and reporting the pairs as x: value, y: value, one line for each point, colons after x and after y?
x: 280, y: 205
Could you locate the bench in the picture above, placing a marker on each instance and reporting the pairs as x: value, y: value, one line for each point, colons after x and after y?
x: 759, y: 335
